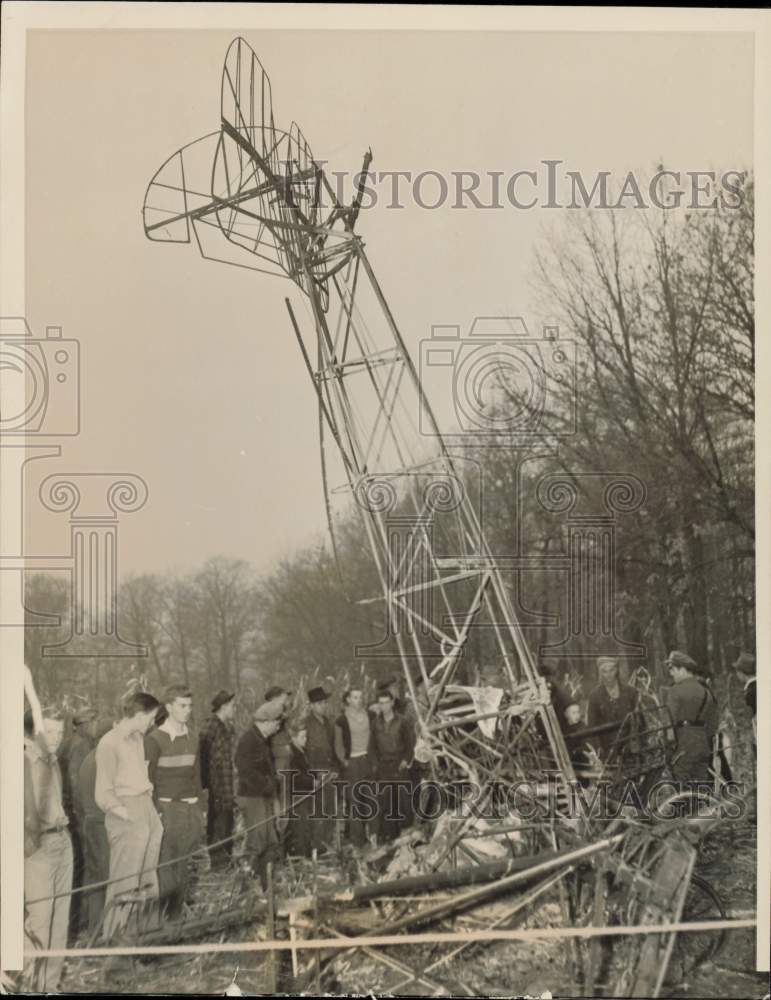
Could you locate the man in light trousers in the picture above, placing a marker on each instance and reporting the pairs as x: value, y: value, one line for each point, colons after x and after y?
x: 47, y: 852
x: 124, y: 794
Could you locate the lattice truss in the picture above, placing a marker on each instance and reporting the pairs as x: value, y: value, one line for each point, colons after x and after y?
x: 252, y: 194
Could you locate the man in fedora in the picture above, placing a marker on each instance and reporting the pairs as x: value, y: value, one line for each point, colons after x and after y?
x: 694, y: 714
x: 216, y: 754
x: 323, y: 765
x: 258, y: 788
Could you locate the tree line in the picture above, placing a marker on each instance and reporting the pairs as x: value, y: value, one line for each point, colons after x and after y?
x: 660, y: 306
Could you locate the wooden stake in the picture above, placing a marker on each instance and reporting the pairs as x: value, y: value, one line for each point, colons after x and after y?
x: 293, y: 937
x: 316, y: 956
x: 271, y: 928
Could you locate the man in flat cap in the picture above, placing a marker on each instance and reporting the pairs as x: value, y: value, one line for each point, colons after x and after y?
x: 216, y: 753
x: 277, y: 693
x: 693, y: 711
x: 322, y: 763
x: 611, y: 701
x: 258, y: 788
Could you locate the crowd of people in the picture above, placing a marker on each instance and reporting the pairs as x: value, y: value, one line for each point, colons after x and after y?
x: 614, y: 713
x: 121, y: 811
x: 117, y: 812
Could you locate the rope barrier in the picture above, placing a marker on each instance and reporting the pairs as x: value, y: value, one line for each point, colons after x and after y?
x: 204, y: 848
x: 387, y: 940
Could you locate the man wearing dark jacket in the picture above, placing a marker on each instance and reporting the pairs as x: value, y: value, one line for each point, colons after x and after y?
x: 299, y: 784
x: 392, y: 741
x: 323, y: 764
x: 694, y: 714
x: 216, y: 752
x: 96, y: 847
x: 70, y: 759
x: 258, y: 788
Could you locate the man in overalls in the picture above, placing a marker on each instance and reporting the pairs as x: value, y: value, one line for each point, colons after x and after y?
x: 693, y: 710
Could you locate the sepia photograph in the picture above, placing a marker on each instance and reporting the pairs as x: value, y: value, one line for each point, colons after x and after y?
x: 385, y: 547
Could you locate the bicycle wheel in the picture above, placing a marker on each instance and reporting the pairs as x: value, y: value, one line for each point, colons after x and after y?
x: 694, y: 948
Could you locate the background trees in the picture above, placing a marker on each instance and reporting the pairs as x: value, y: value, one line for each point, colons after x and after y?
x: 660, y: 304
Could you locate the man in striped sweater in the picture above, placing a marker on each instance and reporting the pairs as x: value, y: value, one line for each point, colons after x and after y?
x: 174, y: 769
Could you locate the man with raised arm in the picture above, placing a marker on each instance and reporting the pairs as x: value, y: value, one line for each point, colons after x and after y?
x: 47, y: 845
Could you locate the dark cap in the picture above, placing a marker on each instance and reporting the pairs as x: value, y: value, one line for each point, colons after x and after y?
x: 316, y: 695
x: 275, y: 692
x: 84, y: 715
x: 678, y: 659
x: 221, y: 698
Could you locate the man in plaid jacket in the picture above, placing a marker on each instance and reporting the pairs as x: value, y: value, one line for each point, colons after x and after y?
x: 216, y: 754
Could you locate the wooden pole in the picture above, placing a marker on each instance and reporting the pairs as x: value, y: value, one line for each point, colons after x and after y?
x: 316, y: 956
x: 468, y: 875
x: 271, y: 928
x: 293, y: 937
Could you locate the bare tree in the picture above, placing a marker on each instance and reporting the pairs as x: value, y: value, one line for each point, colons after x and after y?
x: 226, y: 607
x: 140, y: 612
x: 661, y: 305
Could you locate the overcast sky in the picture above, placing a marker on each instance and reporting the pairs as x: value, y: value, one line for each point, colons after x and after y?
x: 191, y: 376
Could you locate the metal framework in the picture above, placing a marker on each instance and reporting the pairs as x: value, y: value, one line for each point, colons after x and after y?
x: 253, y: 195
